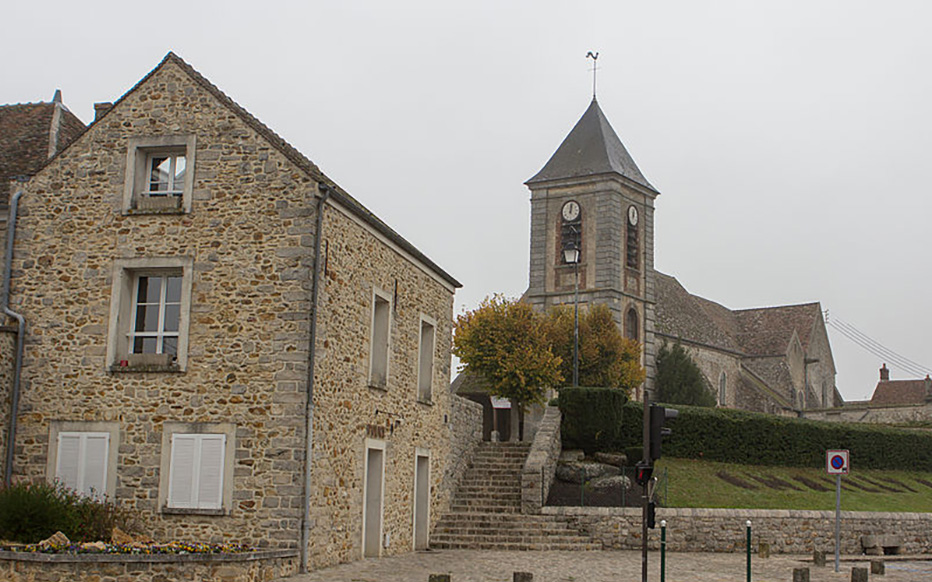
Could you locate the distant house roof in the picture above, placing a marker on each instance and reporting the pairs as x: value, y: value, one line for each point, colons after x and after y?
x: 591, y: 148
x: 30, y: 134
x: 760, y: 332
x: 893, y: 392
x: 468, y: 383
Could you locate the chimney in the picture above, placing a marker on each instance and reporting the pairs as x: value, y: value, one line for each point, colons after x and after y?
x: 101, y: 109
x: 884, y: 373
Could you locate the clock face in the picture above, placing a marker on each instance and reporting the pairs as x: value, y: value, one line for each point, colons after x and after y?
x: 632, y: 216
x: 571, y: 211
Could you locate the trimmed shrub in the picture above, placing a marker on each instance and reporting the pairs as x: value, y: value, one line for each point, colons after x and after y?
x: 592, y: 418
x: 736, y: 436
x: 31, y: 512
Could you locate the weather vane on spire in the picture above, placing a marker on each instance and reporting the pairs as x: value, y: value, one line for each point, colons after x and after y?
x: 595, y: 60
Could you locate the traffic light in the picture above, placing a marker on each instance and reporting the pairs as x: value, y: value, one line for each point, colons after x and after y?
x: 658, y: 416
x: 651, y: 515
x: 642, y: 473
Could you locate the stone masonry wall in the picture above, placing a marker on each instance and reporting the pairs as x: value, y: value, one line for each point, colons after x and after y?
x: 538, y: 471
x: 7, y: 347
x: 465, y: 435
x: 19, y: 567
x: 724, y: 530
x: 874, y: 414
x: 351, y: 416
x: 249, y: 234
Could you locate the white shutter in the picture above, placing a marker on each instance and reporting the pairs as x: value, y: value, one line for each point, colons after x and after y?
x: 69, y: 458
x: 210, y: 472
x: 95, y: 464
x: 181, y: 472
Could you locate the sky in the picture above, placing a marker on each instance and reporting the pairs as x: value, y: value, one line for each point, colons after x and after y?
x: 789, y: 139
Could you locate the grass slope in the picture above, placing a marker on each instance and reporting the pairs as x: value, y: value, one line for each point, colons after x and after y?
x: 693, y: 483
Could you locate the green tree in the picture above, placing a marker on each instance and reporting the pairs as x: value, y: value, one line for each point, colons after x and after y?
x: 606, y: 358
x: 504, y: 341
x: 679, y: 379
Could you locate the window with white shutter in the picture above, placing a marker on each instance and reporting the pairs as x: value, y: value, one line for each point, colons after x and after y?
x: 196, y: 471
x: 82, y: 461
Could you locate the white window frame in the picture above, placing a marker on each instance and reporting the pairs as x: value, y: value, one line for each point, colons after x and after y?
x: 425, y: 358
x: 174, y: 189
x: 198, y: 434
x: 379, y: 361
x: 140, y: 151
x: 122, y: 312
x: 108, y: 430
x: 159, y: 333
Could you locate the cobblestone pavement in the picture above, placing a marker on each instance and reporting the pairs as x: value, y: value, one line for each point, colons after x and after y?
x: 604, y: 566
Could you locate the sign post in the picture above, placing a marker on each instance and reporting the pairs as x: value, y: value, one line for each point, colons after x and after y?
x: 836, y: 463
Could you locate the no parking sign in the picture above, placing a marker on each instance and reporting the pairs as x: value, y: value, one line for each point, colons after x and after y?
x: 836, y: 462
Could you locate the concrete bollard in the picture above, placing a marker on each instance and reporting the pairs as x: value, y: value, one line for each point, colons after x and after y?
x: 523, y: 577
x: 818, y: 558
x: 858, y: 574
x: 800, y: 574
x: 439, y: 578
x: 878, y: 568
x: 763, y: 550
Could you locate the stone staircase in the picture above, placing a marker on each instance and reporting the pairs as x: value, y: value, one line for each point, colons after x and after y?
x: 486, y: 511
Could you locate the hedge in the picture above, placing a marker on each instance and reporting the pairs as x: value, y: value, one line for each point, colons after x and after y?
x: 750, y: 438
x: 592, y: 418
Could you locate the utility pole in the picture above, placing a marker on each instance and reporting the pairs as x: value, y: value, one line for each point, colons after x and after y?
x: 645, y: 500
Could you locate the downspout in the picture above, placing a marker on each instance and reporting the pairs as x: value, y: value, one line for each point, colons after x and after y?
x: 20, y: 336
x: 309, y: 412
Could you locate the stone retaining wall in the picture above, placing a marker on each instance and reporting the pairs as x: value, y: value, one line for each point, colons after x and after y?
x: 724, y: 530
x: 252, y: 567
x: 874, y: 414
x: 465, y: 434
x: 541, y: 463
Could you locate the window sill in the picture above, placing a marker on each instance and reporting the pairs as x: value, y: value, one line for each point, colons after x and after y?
x: 425, y: 401
x: 144, y: 211
x: 379, y: 387
x: 145, y: 369
x: 193, y: 511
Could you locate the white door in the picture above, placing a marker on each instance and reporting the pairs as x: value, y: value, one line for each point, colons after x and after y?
x: 372, y: 511
x: 421, y: 502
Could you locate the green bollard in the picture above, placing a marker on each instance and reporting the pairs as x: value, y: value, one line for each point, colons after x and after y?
x: 749, y: 550
x: 663, y: 549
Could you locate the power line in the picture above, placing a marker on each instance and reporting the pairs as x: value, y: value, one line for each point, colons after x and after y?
x: 900, y: 359
x: 876, y: 348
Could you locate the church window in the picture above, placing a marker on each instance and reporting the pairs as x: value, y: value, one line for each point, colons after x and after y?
x: 631, y: 325
x: 631, y: 247
x: 722, y: 382
x: 570, y: 230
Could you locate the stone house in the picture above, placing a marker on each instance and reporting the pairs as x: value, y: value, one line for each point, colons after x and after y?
x: 220, y: 337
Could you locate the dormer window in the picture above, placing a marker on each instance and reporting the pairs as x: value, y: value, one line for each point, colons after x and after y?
x: 166, y: 174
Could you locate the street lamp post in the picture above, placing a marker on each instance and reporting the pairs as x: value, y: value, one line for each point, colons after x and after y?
x: 571, y: 255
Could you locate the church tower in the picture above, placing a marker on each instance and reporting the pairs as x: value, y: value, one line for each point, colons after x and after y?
x: 591, y: 196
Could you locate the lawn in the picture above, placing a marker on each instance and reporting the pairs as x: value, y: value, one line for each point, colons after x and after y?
x: 693, y: 483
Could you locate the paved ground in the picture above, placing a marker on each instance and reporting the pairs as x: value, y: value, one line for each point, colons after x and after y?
x: 602, y: 566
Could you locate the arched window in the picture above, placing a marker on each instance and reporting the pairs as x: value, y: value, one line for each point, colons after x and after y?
x: 632, y: 328
x: 722, y: 382
x: 632, y: 244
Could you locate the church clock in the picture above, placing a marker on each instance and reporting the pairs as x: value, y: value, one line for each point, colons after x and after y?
x: 571, y: 211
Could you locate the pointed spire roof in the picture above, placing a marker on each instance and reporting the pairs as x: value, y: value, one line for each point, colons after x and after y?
x: 591, y: 148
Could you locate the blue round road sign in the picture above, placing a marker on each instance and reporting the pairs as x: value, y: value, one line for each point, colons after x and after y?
x: 838, y: 462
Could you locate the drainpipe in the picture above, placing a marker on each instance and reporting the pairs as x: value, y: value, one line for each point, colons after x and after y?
x: 20, y: 336
x: 309, y: 413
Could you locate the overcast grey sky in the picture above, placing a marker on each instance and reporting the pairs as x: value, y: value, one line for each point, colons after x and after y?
x: 790, y: 140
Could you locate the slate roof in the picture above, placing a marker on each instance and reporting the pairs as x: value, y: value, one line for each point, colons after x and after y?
x: 893, y: 392
x: 759, y: 332
x: 592, y: 147
x: 25, y: 133
x: 468, y: 383
x: 293, y: 155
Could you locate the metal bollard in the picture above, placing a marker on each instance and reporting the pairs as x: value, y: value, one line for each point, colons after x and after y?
x: 749, y: 550
x: 800, y: 574
x: 663, y: 550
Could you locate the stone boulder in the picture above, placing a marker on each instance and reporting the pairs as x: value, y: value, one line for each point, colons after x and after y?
x: 580, y: 472
x: 610, y: 482
x: 615, y: 459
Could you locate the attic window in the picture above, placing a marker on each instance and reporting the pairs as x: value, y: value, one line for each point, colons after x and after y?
x: 159, y: 175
